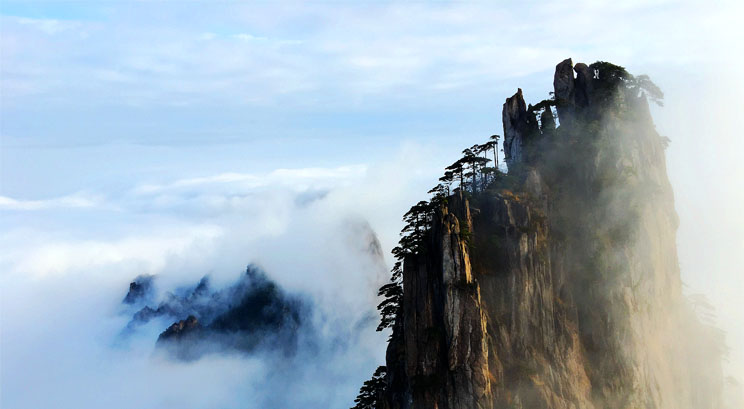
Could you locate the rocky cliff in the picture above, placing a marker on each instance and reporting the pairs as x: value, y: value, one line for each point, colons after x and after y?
x: 555, y: 284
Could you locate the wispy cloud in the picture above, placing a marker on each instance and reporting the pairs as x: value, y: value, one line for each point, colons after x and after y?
x: 263, y: 53
x: 40, y: 257
x: 214, y: 189
x: 49, y: 26
x: 298, y: 179
x: 71, y: 201
x: 248, y: 37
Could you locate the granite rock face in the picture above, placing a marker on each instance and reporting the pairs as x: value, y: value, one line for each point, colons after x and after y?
x: 180, y: 329
x: 583, y: 85
x: 560, y: 290
x: 563, y: 84
x: 444, y: 343
x: 518, y: 126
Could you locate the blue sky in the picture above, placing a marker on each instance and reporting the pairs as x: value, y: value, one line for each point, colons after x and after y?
x: 304, y: 84
x: 152, y: 135
x: 290, y: 84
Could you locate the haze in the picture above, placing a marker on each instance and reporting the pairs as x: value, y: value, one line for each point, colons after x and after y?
x: 181, y: 139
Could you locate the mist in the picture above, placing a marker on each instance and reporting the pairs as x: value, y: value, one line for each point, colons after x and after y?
x: 65, y: 326
x: 150, y: 140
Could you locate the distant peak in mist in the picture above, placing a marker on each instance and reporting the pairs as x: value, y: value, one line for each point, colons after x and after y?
x: 139, y: 290
x: 252, y: 313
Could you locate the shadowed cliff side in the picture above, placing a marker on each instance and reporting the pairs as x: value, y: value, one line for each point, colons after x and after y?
x: 555, y: 285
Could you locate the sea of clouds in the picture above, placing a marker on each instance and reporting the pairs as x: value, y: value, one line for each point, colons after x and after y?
x: 311, y: 230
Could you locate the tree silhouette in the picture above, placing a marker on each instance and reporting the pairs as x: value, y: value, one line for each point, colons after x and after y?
x: 390, y: 305
x: 397, y: 271
x: 416, y: 219
x: 488, y: 174
x: 468, y: 159
x: 474, y: 163
x: 478, y: 164
x: 494, y: 144
x: 456, y: 169
x: 644, y: 84
x: 447, y: 180
x: 439, y: 192
x: 609, y: 77
x: 370, y: 392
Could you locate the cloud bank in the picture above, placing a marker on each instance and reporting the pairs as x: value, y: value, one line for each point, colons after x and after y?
x: 307, y: 228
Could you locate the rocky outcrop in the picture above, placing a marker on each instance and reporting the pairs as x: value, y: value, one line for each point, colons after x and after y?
x: 518, y: 127
x: 139, y: 290
x: 180, y: 329
x: 563, y: 84
x: 558, y: 286
x: 252, y: 313
x: 583, y: 87
x: 443, y: 344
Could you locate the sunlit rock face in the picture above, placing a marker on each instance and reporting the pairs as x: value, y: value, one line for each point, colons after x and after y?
x: 516, y: 125
x: 558, y: 286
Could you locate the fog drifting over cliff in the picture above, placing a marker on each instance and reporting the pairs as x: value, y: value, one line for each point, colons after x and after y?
x: 120, y: 179
x: 63, y: 317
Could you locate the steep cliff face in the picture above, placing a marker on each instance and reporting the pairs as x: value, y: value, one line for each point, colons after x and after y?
x: 556, y: 285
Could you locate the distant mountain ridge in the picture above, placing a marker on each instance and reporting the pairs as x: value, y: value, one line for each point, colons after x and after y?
x: 252, y: 313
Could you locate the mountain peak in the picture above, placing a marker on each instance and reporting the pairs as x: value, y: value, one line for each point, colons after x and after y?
x: 554, y: 285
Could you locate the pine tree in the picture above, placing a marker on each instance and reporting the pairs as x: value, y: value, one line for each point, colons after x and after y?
x: 494, y: 143
x: 468, y: 159
x: 390, y: 306
x: 456, y: 169
x: 447, y: 180
x: 370, y: 392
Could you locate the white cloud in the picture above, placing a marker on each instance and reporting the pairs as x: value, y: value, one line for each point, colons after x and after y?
x: 35, y: 254
x: 49, y: 26
x: 344, y: 52
x: 71, y: 201
x: 248, y: 37
x: 298, y: 179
